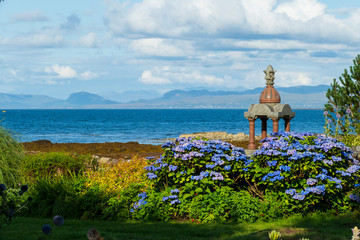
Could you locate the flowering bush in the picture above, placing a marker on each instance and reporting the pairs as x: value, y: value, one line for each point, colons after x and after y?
x: 189, y: 170
x: 196, y: 166
x: 113, y: 178
x: 307, y: 171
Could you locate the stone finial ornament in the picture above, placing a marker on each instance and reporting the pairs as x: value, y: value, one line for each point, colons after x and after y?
x: 269, y: 75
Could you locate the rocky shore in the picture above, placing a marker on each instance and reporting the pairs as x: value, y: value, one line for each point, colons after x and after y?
x: 112, y: 151
x: 224, y: 136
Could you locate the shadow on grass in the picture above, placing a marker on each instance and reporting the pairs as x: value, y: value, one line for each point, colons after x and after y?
x: 315, y: 227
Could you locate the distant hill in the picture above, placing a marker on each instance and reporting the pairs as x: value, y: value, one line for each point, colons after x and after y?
x: 85, y: 98
x: 129, y: 96
x: 75, y: 100
x: 297, y: 97
x: 24, y: 101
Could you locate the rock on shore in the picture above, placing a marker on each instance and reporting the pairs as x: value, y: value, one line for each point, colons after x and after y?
x: 224, y: 136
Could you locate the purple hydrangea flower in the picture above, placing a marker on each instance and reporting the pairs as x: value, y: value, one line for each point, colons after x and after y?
x: 46, y: 229
x: 299, y: 197
x: 2, y: 187
x: 355, y: 197
x: 58, y: 220
x: 311, y: 181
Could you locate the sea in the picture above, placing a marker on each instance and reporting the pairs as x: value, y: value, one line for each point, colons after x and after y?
x: 146, y: 126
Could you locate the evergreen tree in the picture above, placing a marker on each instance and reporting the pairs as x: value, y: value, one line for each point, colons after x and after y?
x: 343, y: 103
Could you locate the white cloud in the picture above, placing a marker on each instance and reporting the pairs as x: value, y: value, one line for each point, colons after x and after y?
x: 35, y: 16
x: 148, y: 78
x: 62, y: 72
x: 197, y: 78
x: 167, y: 75
x: 281, y: 44
x: 89, y: 40
x: 88, y: 75
x: 13, y: 72
x: 302, y: 10
x: 162, y: 47
x: 288, y: 79
x: 231, y: 19
x: 66, y: 72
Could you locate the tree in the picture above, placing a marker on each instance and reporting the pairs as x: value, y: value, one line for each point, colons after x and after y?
x: 343, y: 106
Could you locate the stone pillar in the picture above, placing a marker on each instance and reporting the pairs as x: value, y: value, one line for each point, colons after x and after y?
x: 263, y: 128
x: 275, y: 124
x: 251, y: 145
x: 287, y: 124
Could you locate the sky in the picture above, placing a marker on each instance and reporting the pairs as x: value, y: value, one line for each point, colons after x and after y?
x: 56, y: 48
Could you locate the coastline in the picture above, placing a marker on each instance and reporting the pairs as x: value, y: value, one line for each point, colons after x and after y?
x: 127, y: 150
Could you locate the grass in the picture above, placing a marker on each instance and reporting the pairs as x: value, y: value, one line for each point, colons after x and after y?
x: 315, y: 227
x: 11, y: 154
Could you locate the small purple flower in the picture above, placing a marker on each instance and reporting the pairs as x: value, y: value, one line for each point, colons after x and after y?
x: 174, y: 191
x: 348, y: 111
x: 58, y: 220
x: 329, y: 120
x: 338, y: 115
x: 354, y: 197
x: 172, y: 168
x: 175, y: 201
x: 326, y: 113
x: 142, y: 195
x: 2, y: 187
x: 299, y: 197
x: 311, y: 181
x: 290, y: 191
x: 151, y: 175
x: 46, y: 229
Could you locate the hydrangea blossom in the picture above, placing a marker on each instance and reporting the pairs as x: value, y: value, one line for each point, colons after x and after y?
x: 330, y: 167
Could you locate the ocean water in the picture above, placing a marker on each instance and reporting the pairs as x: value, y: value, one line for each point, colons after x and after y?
x: 150, y: 126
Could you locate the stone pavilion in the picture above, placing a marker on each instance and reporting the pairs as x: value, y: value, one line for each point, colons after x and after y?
x: 269, y: 107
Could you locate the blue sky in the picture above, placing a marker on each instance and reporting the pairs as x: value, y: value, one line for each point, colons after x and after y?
x: 60, y: 47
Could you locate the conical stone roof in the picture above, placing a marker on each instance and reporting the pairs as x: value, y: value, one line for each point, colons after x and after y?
x: 269, y: 94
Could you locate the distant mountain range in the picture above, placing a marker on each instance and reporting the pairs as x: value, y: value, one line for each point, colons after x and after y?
x: 297, y: 97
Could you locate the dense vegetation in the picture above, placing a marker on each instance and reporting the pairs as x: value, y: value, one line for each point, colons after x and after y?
x: 342, y: 111
x: 197, y: 180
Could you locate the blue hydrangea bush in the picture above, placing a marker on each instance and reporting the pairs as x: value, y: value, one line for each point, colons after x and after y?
x: 188, y: 169
x: 196, y: 166
x: 309, y: 172
x: 208, y: 180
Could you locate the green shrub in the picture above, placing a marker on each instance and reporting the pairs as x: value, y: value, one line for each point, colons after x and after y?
x: 55, y: 196
x: 308, y: 172
x: 68, y: 197
x: 13, y: 202
x: 43, y: 165
x: 118, y: 207
x: 156, y: 206
x: 343, y: 102
x: 11, y: 156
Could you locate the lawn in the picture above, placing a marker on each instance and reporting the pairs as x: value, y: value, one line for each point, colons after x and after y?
x: 316, y: 227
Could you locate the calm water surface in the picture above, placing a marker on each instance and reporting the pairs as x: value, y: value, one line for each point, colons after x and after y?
x: 143, y: 126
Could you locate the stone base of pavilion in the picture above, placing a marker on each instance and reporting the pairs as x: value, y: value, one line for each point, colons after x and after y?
x: 248, y: 152
x: 265, y: 111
